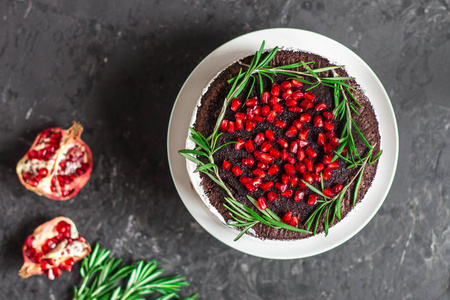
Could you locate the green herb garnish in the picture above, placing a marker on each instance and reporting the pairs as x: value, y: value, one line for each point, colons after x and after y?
x: 106, y: 278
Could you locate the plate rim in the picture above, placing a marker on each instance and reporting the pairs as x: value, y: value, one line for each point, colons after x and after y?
x: 239, y: 245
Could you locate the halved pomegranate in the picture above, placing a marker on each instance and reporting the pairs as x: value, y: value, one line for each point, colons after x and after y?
x: 58, y: 163
x: 53, y: 247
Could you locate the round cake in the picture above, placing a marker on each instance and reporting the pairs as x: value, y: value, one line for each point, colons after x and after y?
x: 288, y: 135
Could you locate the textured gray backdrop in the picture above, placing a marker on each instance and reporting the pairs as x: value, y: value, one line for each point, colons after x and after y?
x: 116, y: 66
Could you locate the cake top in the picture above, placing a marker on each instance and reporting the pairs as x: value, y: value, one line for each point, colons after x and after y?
x: 281, y: 143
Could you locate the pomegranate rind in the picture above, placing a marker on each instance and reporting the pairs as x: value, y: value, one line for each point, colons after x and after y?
x: 43, y: 233
x: 70, y: 135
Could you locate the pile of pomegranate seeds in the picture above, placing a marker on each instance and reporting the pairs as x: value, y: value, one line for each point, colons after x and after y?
x: 53, y: 247
x: 278, y: 163
x: 58, y: 163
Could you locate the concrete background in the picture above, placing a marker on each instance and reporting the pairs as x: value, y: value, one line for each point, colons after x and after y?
x: 117, y: 66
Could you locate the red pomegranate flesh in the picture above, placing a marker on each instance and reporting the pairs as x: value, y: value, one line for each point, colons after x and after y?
x: 53, y: 247
x: 58, y: 163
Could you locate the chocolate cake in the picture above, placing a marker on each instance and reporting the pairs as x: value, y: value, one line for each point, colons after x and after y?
x: 317, y: 145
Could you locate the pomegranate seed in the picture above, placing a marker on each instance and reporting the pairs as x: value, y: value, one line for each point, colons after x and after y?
x: 274, y: 100
x: 303, y: 134
x: 53, y: 273
x: 43, y: 172
x: 288, y: 193
x: 328, y: 192
x: 266, y: 146
x: 291, y: 131
x: 226, y: 165
x: 26, y: 175
x: 293, y: 148
x: 262, y: 203
x: 257, y: 110
x: 301, y: 154
x: 290, y: 169
x: 271, y: 116
x: 256, y: 182
x: 275, y: 91
x: 279, y: 109
x: 286, y: 94
x: 286, y: 85
x: 334, y: 165
x: 272, y: 196
x: 308, y: 177
x: 282, y: 142
x: 297, y: 124
x: 33, y: 181
x: 291, y: 159
x: 291, y: 103
x: 312, y: 199
x: 279, y: 123
x: 295, y: 109
x: 259, y: 119
x: 328, y: 125
x: 236, y: 170
x: 250, y: 125
x: 67, y: 265
x: 328, y: 148
x: 287, y: 217
x: 296, y: 83
x: 270, y: 135
x: 266, y: 185
x: 300, y: 167
x: 318, y: 122
x: 266, y: 158
x: 259, y: 173
x: 337, y: 188
x: 239, y: 124
x: 344, y: 151
x: 252, y: 102
x: 281, y: 186
x: 249, y: 146
x: 262, y: 166
x: 275, y: 153
x: 294, y: 221
x: 265, y: 97
x: 299, y: 195
x: 223, y: 126
x: 305, y: 117
x: 310, y: 96
x: 306, y: 104
x: 317, y: 177
x: 231, y: 128
x: 251, y: 188
x: 259, y: 139
x: 308, y: 163
x: 244, y: 180
x: 64, y: 229
x: 310, y: 152
x: 239, y: 143
x: 302, y: 186
x: 320, y: 106
x: 327, y: 159
x: 334, y: 141
x: 293, y: 181
x: 319, y: 167
x: 274, y: 169
x: 246, y: 161
x: 235, y: 104
x: 321, y: 139
x: 326, y: 174
x: 297, y: 95
x: 328, y: 115
x: 284, y: 154
x: 241, y: 116
x: 285, y: 178
x: 265, y: 110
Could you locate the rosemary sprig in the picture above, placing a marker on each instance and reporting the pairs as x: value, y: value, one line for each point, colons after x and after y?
x: 102, y: 278
x: 258, y: 69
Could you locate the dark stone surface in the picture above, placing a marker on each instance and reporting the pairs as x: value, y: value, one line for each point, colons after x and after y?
x: 117, y: 66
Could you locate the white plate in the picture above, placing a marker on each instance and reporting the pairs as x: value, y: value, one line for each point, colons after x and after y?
x: 246, y: 45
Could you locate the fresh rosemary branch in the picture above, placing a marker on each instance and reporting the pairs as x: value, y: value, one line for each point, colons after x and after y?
x: 258, y: 69
x: 102, y: 278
